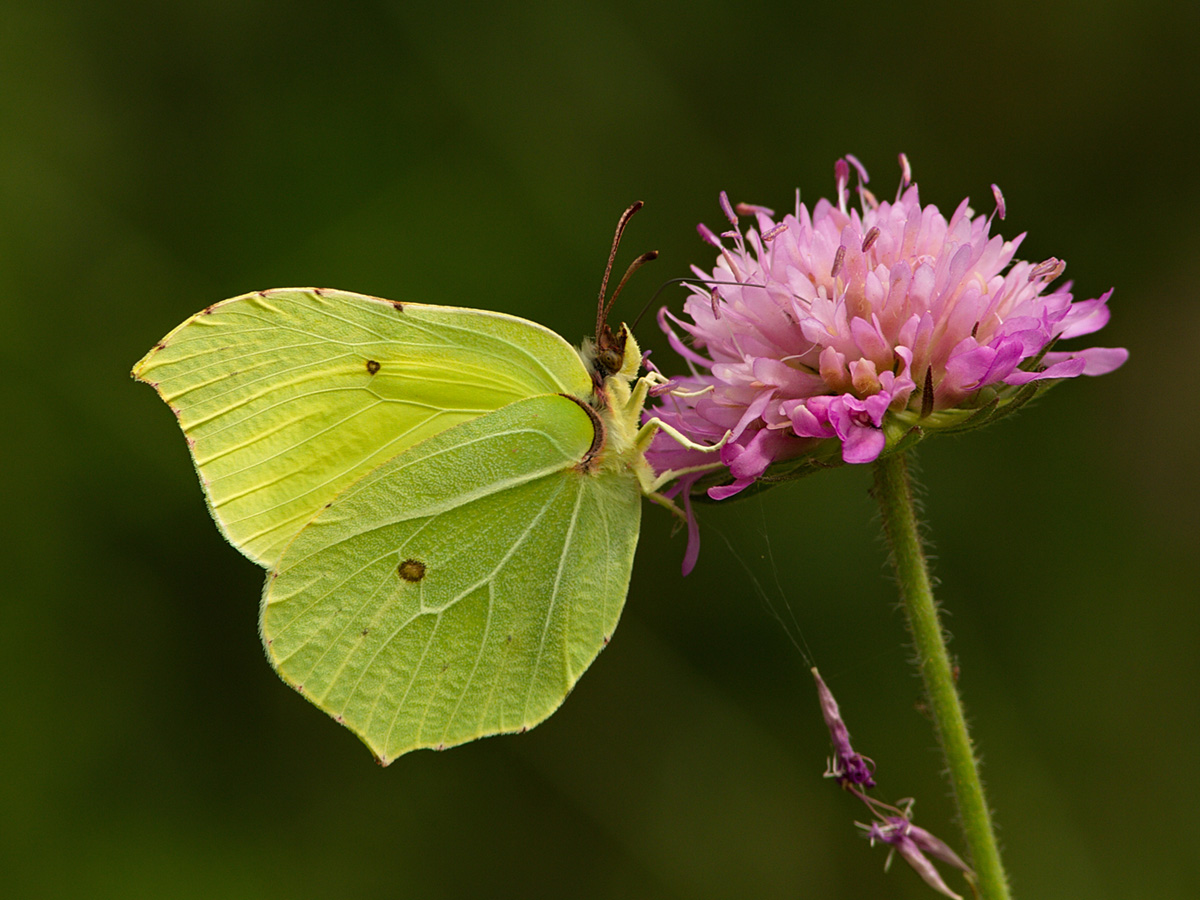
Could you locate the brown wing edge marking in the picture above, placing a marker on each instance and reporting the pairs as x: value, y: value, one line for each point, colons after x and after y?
x: 586, y: 463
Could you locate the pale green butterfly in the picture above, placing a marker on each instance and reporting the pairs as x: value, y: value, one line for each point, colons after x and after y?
x: 447, y: 500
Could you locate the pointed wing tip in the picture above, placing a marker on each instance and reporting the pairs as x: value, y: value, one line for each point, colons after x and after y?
x: 138, y: 372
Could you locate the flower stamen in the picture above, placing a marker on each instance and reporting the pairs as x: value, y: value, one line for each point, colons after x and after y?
x: 1048, y: 270
x: 999, y: 210
x: 737, y: 275
x: 871, y: 236
x: 838, y: 258
x: 728, y: 210
x: 752, y: 209
x: 841, y: 175
x: 905, y: 176
x: 708, y: 235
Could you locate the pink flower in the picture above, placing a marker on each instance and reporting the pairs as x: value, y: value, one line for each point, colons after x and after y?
x: 843, y: 332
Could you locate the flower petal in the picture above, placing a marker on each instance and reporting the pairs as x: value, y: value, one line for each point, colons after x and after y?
x: 863, y: 444
x: 1067, y: 368
x: 1097, y: 360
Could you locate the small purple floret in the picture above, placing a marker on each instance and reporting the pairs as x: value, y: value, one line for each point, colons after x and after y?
x: 847, y: 766
x: 893, y: 825
x: 912, y: 843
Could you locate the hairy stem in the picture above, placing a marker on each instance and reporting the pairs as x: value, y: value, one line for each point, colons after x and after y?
x: 893, y: 492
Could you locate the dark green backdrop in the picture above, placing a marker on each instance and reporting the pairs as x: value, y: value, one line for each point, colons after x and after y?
x: 156, y: 157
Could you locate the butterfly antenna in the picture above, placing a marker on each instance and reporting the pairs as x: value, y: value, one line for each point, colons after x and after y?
x: 702, y: 282
x: 633, y: 267
x: 601, y: 306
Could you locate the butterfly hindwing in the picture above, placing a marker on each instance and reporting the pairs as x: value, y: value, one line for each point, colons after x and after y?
x: 461, y: 588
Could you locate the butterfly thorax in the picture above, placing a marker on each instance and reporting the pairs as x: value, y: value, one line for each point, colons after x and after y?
x: 614, y: 362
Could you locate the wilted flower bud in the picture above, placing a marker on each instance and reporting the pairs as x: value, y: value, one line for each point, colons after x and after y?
x: 912, y: 843
x: 847, y: 766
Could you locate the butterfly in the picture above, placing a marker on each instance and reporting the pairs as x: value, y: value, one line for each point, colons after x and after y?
x: 447, y: 500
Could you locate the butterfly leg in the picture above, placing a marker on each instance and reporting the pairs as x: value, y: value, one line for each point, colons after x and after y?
x: 652, y: 486
x: 634, y: 405
x: 667, y: 503
x: 652, y: 426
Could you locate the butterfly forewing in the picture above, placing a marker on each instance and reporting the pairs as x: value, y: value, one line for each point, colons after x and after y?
x: 462, y: 588
x: 287, y: 397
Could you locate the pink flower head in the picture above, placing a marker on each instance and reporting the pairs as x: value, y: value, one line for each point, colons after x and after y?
x: 844, y: 331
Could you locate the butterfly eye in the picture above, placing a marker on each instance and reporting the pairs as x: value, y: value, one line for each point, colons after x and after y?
x: 610, y: 360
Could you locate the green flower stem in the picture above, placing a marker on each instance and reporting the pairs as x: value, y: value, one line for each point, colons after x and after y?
x: 893, y: 492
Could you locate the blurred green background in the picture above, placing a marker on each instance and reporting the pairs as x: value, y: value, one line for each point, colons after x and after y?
x: 155, y: 158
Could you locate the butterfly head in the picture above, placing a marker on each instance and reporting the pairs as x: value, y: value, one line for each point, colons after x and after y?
x: 614, y: 353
